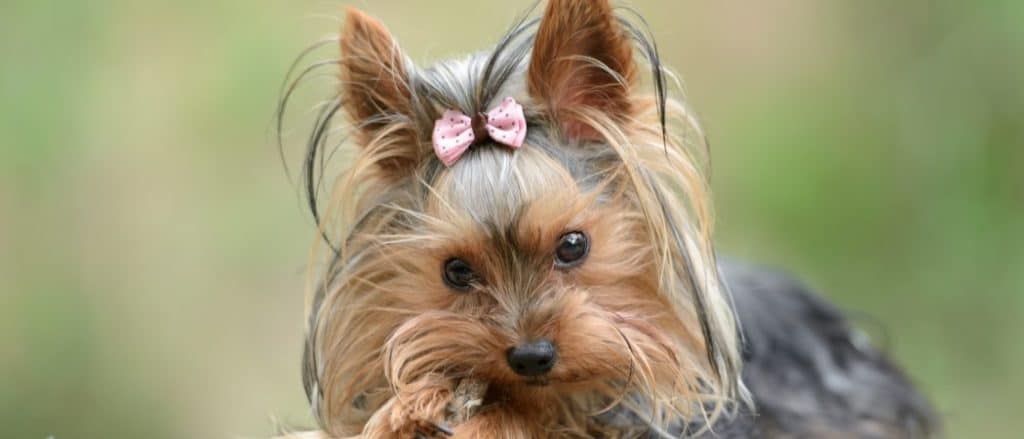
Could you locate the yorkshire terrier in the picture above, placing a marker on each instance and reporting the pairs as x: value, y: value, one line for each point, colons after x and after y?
x: 524, y: 251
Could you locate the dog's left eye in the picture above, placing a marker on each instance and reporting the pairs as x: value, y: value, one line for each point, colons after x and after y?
x: 572, y: 248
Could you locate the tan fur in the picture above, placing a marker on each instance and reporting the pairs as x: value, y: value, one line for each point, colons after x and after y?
x: 374, y: 79
x: 582, y: 58
x: 392, y: 340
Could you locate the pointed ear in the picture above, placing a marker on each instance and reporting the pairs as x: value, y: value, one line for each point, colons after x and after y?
x: 375, y: 92
x: 582, y: 58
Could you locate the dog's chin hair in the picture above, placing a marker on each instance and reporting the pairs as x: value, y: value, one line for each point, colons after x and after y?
x: 643, y: 324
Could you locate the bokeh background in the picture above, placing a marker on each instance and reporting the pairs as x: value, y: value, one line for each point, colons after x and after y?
x: 152, y: 250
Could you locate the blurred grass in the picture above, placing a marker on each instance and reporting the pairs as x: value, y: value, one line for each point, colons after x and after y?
x: 152, y: 250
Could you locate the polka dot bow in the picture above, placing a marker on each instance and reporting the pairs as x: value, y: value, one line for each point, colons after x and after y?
x: 455, y: 132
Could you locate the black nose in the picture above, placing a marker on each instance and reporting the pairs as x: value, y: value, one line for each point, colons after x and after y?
x: 533, y: 358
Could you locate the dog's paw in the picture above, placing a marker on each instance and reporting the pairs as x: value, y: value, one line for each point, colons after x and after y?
x: 419, y: 411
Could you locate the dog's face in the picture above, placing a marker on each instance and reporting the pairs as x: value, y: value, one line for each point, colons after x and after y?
x: 570, y: 274
x: 525, y: 280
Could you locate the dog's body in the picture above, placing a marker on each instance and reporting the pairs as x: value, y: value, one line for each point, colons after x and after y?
x: 811, y: 375
x: 534, y: 222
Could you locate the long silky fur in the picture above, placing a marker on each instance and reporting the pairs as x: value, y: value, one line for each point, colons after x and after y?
x: 367, y: 348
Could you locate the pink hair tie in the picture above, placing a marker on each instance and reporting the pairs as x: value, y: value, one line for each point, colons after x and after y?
x: 455, y: 132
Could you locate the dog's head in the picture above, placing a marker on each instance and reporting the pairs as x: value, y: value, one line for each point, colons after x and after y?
x: 571, y: 274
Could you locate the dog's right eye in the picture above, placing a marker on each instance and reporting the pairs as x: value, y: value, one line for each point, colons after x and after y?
x: 459, y: 275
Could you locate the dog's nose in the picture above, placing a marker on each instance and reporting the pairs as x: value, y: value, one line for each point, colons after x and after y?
x: 533, y: 358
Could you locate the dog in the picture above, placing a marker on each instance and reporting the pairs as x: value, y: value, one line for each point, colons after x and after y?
x: 524, y: 250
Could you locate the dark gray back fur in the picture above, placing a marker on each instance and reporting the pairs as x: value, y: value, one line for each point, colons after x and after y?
x: 810, y: 373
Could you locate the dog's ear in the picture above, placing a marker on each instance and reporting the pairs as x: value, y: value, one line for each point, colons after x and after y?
x: 582, y: 60
x: 376, y: 94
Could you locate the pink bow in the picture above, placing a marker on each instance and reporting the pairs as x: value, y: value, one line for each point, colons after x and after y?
x: 454, y: 131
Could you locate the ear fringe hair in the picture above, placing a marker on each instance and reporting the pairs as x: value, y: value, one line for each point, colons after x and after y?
x: 683, y: 169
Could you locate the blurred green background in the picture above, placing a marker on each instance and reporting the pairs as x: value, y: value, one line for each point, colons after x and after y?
x: 152, y: 250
